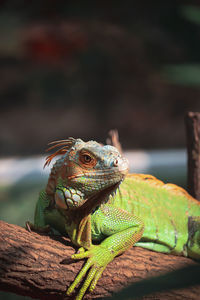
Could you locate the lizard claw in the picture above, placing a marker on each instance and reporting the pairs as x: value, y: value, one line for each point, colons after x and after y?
x: 28, y: 226
x: 80, y: 250
x: 31, y: 227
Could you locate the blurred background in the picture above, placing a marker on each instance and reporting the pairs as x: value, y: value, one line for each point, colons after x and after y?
x: 80, y: 68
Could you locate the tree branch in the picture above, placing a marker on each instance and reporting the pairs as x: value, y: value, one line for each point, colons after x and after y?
x: 113, y: 139
x: 192, y: 122
x: 32, y: 264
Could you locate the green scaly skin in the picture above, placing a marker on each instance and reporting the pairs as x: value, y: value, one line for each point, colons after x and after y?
x: 82, y: 200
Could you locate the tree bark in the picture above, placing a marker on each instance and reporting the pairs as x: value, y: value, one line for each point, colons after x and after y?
x: 40, y: 266
x: 192, y: 122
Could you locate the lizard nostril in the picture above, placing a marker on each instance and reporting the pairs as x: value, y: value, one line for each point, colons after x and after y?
x: 115, y: 163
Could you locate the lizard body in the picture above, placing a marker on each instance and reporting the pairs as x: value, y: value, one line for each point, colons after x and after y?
x: 82, y: 199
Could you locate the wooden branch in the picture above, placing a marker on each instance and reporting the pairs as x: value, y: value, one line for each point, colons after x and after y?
x: 113, y: 139
x: 31, y: 265
x: 192, y: 122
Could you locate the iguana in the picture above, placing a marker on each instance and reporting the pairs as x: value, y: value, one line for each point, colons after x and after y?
x: 105, y: 211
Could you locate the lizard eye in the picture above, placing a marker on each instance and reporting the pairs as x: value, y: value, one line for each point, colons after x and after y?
x: 87, y: 160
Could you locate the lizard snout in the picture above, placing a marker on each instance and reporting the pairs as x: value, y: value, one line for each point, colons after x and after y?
x: 122, y: 164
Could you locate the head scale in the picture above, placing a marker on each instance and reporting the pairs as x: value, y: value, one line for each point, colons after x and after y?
x: 85, y: 171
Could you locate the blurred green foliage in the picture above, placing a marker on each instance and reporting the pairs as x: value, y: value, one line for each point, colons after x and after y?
x: 188, y: 73
x: 191, y: 13
x: 17, y: 202
x: 184, y: 74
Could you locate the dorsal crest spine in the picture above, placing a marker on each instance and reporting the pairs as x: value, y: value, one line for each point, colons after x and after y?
x: 65, y: 146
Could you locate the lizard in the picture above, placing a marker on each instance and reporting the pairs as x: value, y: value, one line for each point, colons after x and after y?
x: 104, y: 210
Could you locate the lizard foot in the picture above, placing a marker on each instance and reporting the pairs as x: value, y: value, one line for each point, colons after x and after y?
x: 98, y: 258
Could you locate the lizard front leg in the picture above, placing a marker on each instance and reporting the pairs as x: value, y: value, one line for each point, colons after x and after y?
x: 46, y: 218
x: 121, y: 230
x: 39, y: 216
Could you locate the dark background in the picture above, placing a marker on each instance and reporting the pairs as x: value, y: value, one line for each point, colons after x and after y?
x: 80, y: 68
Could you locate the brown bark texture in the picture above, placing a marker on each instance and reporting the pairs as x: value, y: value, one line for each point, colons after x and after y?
x: 192, y: 122
x: 40, y: 266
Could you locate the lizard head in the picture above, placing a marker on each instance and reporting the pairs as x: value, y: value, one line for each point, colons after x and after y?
x: 86, y: 174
